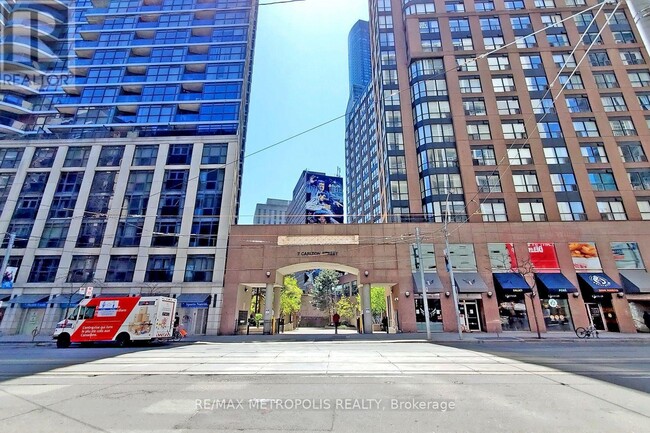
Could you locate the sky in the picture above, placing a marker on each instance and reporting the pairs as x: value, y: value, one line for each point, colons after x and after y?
x: 300, y: 80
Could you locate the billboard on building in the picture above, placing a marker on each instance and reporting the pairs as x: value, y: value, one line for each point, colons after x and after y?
x: 323, y: 199
x: 542, y: 256
x: 584, y: 256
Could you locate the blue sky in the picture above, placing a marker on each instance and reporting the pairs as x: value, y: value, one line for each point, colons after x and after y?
x: 300, y: 80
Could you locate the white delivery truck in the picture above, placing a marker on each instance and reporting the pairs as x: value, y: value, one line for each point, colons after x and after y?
x: 119, y: 319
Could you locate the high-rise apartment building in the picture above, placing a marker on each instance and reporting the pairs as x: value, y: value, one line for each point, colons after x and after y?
x: 274, y: 211
x: 361, y: 132
x: 513, y: 115
x: 123, y: 126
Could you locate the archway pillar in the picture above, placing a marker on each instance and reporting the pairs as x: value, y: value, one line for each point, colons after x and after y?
x: 366, y: 312
x: 268, y: 309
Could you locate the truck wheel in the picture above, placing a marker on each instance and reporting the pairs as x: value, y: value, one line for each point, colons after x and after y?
x: 63, y: 341
x: 123, y: 339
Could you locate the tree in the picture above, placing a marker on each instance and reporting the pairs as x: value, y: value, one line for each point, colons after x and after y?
x: 346, y: 309
x: 290, y: 296
x: 323, y: 293
x: 377, y: 303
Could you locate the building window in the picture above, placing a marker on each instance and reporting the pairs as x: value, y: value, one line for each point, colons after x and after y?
x: 513, y: 130
x: 179, y: 154
x: 10, y: 157
x: 578, y: 104
x: 611, y: 210
x: 640, y: 179
x: 54, y: 234
x: 549, y: 130
x: 199, y: 269
x: 470, y: 85
x: 606, y: 80
x: 593, y: 153
x: 624, y: 37
x: 599, y: 58
x: 644, y: 101
x: 572, y: 83
x: 44, y: 269
x: 145, y: 155
x: 43, y: 157
x: 644, y: 208
x: 77, y: 157
x: 454, y: 6
x: 571, y: 211
x: 531, y: 61
x: 536, y: 84
x: 564, y: 182
x: 520, y: 155
x: 558, y: 40
x: 466, y: 64
x: 432, y: 110
x: 613, y: 103
x: 543, y: 106
x: 492, y: 42
x: 82, y: 269
x: 622, y: 127
x: 474, y: 107
x: 520, y: 22
x: 508, y: 106
x: 494, y: 211
x: 483, y: 5
x: 525, y: 181
x: 632, y: 57
x: 160, y: 269
x: 437, y: 158
x: 462, y: 44
x: 498, y: 63
x: 488, y: 182
x: 110, y: 156
x: 586, y: 128
x: 204, y: 232
x: 437, y: 133
x: 632, y: 152
x: 91, y: 233
x: 483, y: 156
x: 532, y: 211
x: 478, y: 131
x: 503, y: 84
x: 440, y: 184
x: 602, y: 180
x: 526, y: 42
x: 426, y: 88
x: 512, y: 5
x: 556, y: 155
x: 121, y: 269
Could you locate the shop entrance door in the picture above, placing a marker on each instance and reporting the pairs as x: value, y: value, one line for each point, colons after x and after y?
x: 201, y: 322
x: 31, y: 321
x: 595, y: 313
x: 469, y: 313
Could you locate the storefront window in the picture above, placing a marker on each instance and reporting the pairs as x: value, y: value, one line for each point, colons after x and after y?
x: 557, y: 315
x: 512, y: 311
x: 435, y: 314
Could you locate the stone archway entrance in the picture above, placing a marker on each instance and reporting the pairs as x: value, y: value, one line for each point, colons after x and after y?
x: 259, y: 257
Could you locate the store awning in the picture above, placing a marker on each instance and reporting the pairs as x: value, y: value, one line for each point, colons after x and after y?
x: 5, y: 297
x: 431, y: 280
x: 599, y: 282
x: 66, y: 301
x: 635, y: 280
x: 31, y: 301
x: 470, y: 282
x: 554, y: 283
x: 511, y: 282
x: 194, y: 300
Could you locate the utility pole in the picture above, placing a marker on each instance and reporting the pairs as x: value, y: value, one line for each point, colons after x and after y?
x: 450, y: 269
x: 5, y: 261
x: 425, y: 299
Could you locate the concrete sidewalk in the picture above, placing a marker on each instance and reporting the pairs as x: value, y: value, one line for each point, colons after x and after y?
x: 328, y: 335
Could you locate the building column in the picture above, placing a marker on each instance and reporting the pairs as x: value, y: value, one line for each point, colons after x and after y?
x: 366, y: 313
x: 268, y: 309
x: 276, y: 306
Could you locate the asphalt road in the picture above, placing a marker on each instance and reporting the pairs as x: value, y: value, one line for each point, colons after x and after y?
x: 346, y: 386
x: 626, y: 364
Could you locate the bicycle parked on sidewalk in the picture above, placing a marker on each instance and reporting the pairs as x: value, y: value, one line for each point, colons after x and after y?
x: 587, y: 332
